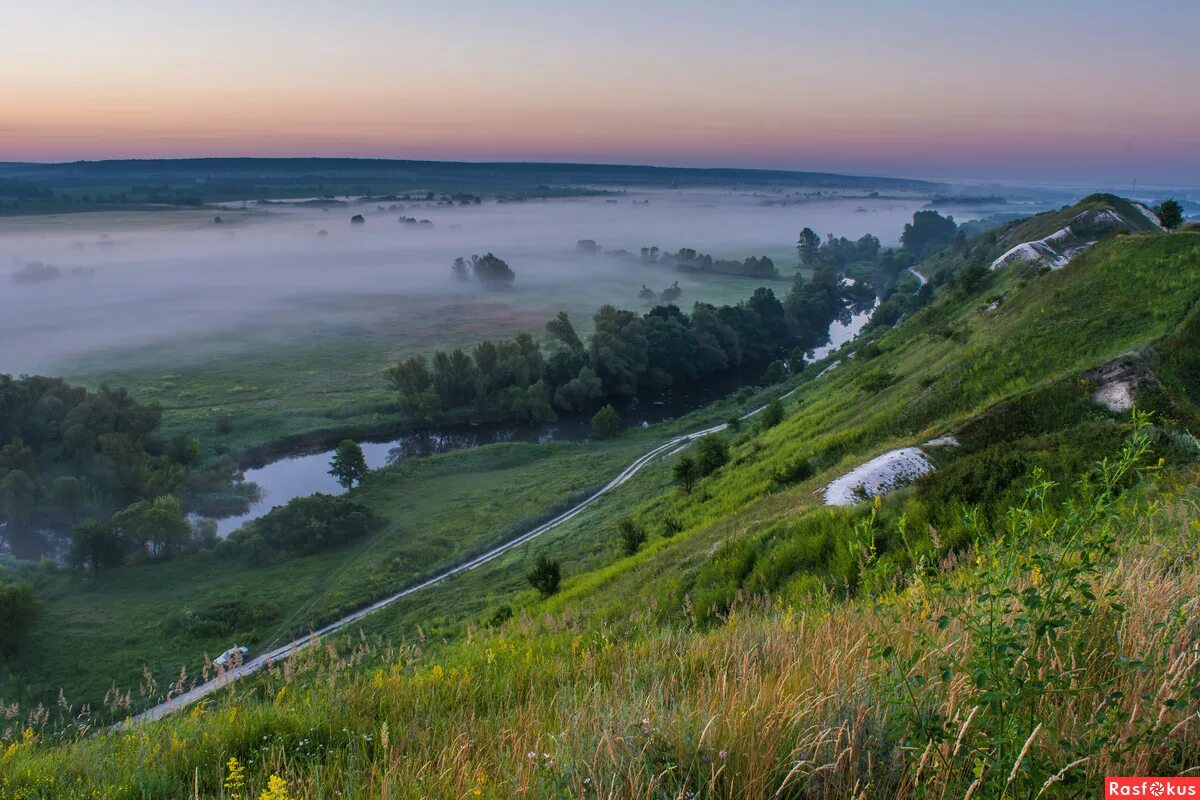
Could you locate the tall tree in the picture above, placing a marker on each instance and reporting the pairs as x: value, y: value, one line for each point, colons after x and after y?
x: 807, y: 246
x: 348, y: 465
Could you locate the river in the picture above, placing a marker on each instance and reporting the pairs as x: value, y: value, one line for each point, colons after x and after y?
x: 304, y: 474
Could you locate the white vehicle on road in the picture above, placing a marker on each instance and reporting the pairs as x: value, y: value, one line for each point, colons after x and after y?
x: 231, y: 656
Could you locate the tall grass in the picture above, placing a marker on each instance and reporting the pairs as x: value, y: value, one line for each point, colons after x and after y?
x: 1061, y: 649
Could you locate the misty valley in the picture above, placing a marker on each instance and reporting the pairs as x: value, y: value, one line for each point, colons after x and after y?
x: 254, y: 445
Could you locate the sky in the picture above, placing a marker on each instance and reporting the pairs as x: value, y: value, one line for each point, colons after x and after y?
x: 1101, y: 91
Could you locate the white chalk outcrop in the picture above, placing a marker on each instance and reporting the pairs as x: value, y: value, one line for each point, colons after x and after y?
x: 1057, y: 249
x: 878, y: 476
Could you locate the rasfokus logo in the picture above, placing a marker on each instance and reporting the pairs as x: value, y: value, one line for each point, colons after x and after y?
x: 1151, y: 787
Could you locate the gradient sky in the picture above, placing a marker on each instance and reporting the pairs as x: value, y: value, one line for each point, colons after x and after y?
x: 1100, y: 91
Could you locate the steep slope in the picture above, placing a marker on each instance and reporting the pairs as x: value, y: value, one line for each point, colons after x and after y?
x: 763, y: 644
x: 1050, y: 239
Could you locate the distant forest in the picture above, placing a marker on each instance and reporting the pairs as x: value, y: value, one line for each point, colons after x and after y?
x: 80, y: 185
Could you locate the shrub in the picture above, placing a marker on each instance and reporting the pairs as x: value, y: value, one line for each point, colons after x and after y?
x: 304, y: 526
x: 606, y: 424
x: 632, y: 536
x: 545, y: 576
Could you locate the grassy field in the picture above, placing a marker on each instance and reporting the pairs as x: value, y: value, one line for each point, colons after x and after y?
x: 332, y: 379
x: 101, y: 631
x: 775, y: 647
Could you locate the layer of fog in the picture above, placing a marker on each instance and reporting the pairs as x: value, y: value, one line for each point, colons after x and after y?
x: 72, y: 289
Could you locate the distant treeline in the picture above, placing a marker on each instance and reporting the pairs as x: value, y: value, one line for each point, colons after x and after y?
x: 627, y: 354
x: 686, y: 260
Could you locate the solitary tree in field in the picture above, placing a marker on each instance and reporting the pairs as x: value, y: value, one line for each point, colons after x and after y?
x: 545, y: 576
x: 1170, y: 214
x: 349, y: 465
x: 685, y: 473
x: 607, y: 423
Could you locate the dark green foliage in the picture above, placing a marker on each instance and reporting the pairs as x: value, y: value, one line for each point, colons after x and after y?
x: 795, y: 471
x: 501, y: 615
x: 776, y: 373
x: 18, y: 607
x: 628, y: 354
x: 927, y: 233
x: 631, y: 535
x: 1170, y: 214
x: 348, y: 465
x: 876, y: 380
x: 545, y: 576
x: 712, y: 453
x: 96, y: 546
x: 685, y: 473
x: 154, y: 528
x: 606, y: 423
x: 772, y: 415
x: 807, y: 246
x: 67, y: 453
x: 304, y: 526
x: 492, y: 271
x: 671, y: 526
x: 239, y: 618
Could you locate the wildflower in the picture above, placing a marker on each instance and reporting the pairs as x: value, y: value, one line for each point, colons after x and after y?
x: 724, y: 754
x: 235, y: 778
x: 276, y: 789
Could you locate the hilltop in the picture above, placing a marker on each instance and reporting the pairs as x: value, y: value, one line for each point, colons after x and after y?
x: 980, y: 626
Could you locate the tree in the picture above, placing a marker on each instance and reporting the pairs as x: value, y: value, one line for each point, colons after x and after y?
x: 772, y: 415
x: 358, y: 219
x: 18, y: 607
x: 459, y: 268
x: 96, y: 546
x: 564, y: 332
x: 492, y: 271
x: 18, y: 494
x: 807, y: 246
x: 685, y: 473
x: 348, y: 464
x: 545, y: 576
x: 632, y: 536
x: 775, y: 373
x: 712, y: 453
x: 927, y: 233
x: 606, y: 424
x: 1170, y: 214
x: 156, y: 527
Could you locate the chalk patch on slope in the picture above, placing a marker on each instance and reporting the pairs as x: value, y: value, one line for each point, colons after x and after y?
x: 879, y: 475
x: 1150, y: 215
x: 1115, y: 396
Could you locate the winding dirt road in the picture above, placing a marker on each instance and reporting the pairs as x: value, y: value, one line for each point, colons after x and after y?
x: 184, y: 699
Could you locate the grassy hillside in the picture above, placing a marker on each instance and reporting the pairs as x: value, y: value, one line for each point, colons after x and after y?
x: 985, y: 632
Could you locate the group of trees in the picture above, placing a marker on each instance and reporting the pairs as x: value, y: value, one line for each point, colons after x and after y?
x: 627, y: 354
x: 489, y: 271
x: 835, y: 253
x: 686, y: 259
x: 18, y: 607
x: 927, y: 233
x: 667, y: 297
x: 91, y: 463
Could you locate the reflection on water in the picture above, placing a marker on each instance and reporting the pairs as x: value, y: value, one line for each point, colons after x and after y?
x: 303, y: 475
